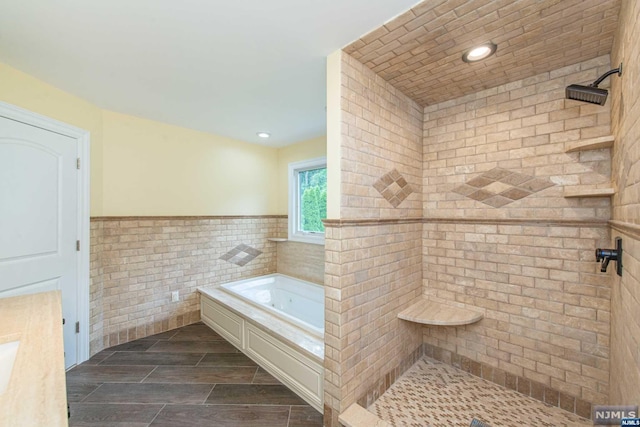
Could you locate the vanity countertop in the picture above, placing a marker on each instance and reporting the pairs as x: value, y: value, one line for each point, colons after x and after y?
x: 36, y: 393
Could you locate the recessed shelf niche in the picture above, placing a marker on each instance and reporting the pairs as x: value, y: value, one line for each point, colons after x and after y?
x: 582, y: 191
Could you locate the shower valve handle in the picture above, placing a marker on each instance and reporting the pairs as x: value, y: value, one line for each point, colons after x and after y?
x: 607, y: 255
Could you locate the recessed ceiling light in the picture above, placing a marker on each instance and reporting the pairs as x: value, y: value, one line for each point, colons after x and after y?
x: 479, y: 53
x: 263, y: 134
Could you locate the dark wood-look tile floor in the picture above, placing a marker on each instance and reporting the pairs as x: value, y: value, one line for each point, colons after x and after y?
x: 187, y: 377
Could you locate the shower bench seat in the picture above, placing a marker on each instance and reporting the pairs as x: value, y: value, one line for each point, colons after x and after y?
x: 429, y: 312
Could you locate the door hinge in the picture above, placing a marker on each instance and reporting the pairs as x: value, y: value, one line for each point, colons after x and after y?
x: 77, y: 327
x: 78, y: 163
x: 63, y: 321
x: 78, y: 245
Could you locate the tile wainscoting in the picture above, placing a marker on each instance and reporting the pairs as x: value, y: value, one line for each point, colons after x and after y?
x: 137, y: 262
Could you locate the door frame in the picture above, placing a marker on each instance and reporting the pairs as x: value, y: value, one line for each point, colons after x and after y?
x: 82, y: 138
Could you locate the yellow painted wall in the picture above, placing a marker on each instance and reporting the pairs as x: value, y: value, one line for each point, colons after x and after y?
x: 153, y: 168
x: 310, y: 149
x: 142, y: 167
x: 334, y: 134
x: 25, y: 91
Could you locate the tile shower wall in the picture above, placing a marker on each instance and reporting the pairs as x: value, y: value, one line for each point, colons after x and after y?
x: 373, y: 251
x: 381, y: 133
x: 500, y: 236
x: 372, y: 273
x: 547, y: 310
x: 625, y: 301
x: 137, y: 262
x: 522, y: 128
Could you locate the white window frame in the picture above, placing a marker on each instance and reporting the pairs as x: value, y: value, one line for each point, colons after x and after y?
x: 295, y: 234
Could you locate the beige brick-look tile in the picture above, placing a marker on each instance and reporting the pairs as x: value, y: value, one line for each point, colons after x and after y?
x: 137, y: 263
x: 536, y: 323
x: 548, y: 312
x: 537, y: 174
x: 366, y: 288
x: 378, y: 138
x: 421, y: 55
x: 625, y: 297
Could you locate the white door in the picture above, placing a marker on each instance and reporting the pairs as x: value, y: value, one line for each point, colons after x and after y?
x: 39, y: 218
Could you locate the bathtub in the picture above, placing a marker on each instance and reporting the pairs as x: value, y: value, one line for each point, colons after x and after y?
x: 296, y: 301
x: 276, y: 320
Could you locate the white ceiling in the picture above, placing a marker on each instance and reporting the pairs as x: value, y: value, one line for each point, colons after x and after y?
x: 228, y: 67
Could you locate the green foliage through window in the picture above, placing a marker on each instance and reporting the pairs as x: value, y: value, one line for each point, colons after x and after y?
x: 312, y: 185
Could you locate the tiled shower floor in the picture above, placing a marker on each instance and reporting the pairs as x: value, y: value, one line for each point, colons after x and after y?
x: 189, y: 377
x: 434, y: 394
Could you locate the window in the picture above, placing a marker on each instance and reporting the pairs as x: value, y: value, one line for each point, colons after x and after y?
x: 307, y: 200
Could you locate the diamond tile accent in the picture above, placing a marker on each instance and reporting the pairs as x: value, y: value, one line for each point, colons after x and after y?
x: 480, y: 195
x: 480, y: 181
x: 499, y: 187
x: 432, y: 393
x: 241, y: 255
x: 393, y: 187
x: 515, y: 179
x: 465, y: 190
x: 516, y: 193
x: 536, y: 185
x: 497, y: 201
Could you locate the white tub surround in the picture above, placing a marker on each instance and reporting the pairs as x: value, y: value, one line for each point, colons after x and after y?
x: 290, y: 349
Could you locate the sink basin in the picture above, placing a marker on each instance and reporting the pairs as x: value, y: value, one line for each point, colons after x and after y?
x: 8, y: 353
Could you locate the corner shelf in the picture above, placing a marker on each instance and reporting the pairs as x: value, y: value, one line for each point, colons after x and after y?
x: 277, y: 239
x: 588, y: 191
x: 581, y: 191
x: 429, y: 312
x: 589, y: 144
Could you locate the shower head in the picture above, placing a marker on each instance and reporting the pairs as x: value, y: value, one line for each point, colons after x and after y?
x: 591, y: 93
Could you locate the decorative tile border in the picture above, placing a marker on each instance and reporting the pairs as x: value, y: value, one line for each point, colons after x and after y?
x: 522, y: 385
x: 359, y: 222
x: 365, y: 222
x: 626, y: 227
x: 499, y: 187
x: 524, y: 221
x: 393, y: 187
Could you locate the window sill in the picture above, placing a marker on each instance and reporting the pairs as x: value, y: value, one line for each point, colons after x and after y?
x: 315, y: 240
